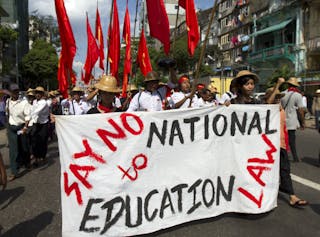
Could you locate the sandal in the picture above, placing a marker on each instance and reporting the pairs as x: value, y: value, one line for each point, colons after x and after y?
x: 299, y: 203
x: 12, y: 177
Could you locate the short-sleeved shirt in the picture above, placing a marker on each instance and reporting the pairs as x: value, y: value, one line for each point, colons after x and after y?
x: 148, y: 101
x: 80, y: 107
x: 178, y: 96
x: 291, y: 102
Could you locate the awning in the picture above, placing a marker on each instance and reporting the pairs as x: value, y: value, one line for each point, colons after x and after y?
x: 271, y: 28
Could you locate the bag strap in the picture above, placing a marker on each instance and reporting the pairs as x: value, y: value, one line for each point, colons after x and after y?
x: 288, y: 101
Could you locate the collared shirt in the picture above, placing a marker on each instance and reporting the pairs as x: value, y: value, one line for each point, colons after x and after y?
x: 18, y: 111
x: 78, y: 108
x: 291, y: 102
x: 227, y: 97
x: 178, y: 96
x: 40, y: 111
x: 147, y: 101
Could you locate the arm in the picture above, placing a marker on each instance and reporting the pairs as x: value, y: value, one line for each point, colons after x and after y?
x: 134, y: 104
x: 92, y: 95
x: 271, y: 98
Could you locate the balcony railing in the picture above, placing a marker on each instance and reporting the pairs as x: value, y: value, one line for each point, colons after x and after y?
x: 314, y: 44
x: 279, y: 51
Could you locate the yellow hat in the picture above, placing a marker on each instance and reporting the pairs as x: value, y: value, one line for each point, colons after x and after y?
x: 108, y: 84
x: 246, y: 73
x: 39, y: 89
x: 293, y: 81
x: 77, y: 89
x: 151, y: 76
x: 132, y: 87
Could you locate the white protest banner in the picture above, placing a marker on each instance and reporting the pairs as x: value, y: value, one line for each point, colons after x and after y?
x: 125, y: 174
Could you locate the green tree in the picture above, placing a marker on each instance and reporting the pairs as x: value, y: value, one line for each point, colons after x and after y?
x: 7, y: 35
x: 284, y: 71
x: 39, y: 66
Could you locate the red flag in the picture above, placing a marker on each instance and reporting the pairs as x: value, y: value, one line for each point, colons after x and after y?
x: 159, y: 23
x: 192, y: 24
x: 127, y: 59
x: 92, y: 54
x: 62, y: 77
x: 99, y: 37
x: 73, y: 78
x: 143, y: 59
x: 114, y: 42
x: 68, y: 46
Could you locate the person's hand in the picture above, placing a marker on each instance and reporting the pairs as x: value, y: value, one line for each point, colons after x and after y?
x: 24, y: 130
x: 129, y: 94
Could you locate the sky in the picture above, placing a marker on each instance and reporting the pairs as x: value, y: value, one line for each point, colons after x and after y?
x: 76, y: 10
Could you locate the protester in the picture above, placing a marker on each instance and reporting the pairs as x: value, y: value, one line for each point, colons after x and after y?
x: 18, y: 111
x: 229, y: 95
x: 40, y: 118
x: 291, y: 102
x: 214, y: 93
x: 107, y: 89
x: 184, y: 97
x: 132, y: 91
x: 3, y: 174
x: 316, y: 108
x: 273, y: 96
x: 206, y: 98
x: 54, y: 109
x: 152, y: 98
x: 244, y: 83
x: 77, y: 105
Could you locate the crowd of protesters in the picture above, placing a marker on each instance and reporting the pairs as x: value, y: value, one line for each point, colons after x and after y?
x: 31, y: 118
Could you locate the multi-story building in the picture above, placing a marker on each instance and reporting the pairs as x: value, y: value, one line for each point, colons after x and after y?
x: 234, y: 27
x: 311, y: 79
x: 277, y: 38
x: 17, y: 19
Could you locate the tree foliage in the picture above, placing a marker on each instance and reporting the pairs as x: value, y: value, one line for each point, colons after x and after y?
x: 285, y: 71
x: 39, y: 66
x: 44, y: 27
x: 7, y: 34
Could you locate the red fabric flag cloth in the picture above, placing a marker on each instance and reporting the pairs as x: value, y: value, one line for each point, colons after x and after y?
x: 73, y: 78
x: 99, y: 37
x: 62, y: 77
x: 192, y: 24
x: 127, y: 59
x: 68, y: 46
x: 92, y: 54
x: 159, y: 23
x: 114, y: 42
x: 143, y: 59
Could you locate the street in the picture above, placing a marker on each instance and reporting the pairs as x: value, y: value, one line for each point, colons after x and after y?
x: 30, y: 206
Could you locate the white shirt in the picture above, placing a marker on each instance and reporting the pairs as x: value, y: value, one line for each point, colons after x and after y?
x: 226, y: 97
x: 18, y: 111
x: 40, y: 111
x: 290, y: 105
x: 178, y: 96
x: 147, y: 101
x: 203, y: 103
x: 80, y: 108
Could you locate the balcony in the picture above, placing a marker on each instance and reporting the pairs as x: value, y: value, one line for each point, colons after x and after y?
x: 276, y: 52
x: 314, y: 45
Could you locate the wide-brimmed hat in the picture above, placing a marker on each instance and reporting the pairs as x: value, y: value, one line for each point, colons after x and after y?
x: 108, y: 84
x: 77, y: 89
x: 151, y: 76
x: 246, y: 73
x: 39, y: 89
x: 270, y: 90
x: 293, y: 81
x: 318, y: 91
x: 132, y: 87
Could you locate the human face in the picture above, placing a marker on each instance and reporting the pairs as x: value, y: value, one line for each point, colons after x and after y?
x: 248, y: 87
x: 185, y: 86
x: 76, y: 96
x: 38, y: 95
x: 106, y: 97
x: 152, y: 85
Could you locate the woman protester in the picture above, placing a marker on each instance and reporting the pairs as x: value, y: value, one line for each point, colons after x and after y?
x: 273, y: 96
x: 107, y: 90
x: 245, y: 82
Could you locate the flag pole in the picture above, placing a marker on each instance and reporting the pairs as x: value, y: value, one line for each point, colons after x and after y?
x: 175, y: 33
x: 204, y: 47
x: 134, y: 71
x: 110, y: 22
